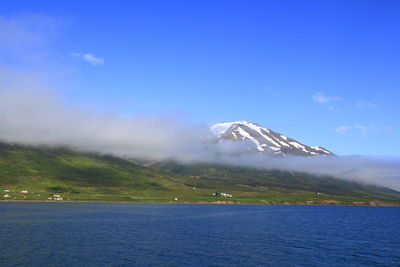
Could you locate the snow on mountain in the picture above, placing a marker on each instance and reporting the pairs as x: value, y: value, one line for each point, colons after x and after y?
x: 263, y: 140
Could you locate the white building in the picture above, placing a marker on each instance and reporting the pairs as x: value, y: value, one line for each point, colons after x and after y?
x: 221, y: 194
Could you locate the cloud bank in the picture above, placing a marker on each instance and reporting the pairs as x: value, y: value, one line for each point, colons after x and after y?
x: 32, y: 114
x: 382, y: 171
x: 36, y: 116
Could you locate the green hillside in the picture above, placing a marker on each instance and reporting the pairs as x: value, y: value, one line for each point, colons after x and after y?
x: 85, y: 176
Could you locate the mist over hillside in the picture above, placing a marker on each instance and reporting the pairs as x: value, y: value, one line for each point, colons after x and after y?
x: 32, y: 114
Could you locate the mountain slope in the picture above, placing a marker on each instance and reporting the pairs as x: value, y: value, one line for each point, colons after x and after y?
x: 86, y: 176
x: 287, y: 182
x: 263, y: 140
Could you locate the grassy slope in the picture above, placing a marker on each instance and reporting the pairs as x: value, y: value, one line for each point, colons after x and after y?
x: 80, y: 176
x: 292, y: 186
x: 83, y: 176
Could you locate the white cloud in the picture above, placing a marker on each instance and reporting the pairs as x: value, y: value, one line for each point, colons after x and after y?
x: 323, y: 99
x: 90, y: 58
x: 25, y: 40
x: 364, y: 105
x: 342, y: 129
x: 364, y: 129
x: 360, y: 129
x: 30, y: 30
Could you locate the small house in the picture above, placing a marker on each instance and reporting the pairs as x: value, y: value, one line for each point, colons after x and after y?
x: 221, y: 194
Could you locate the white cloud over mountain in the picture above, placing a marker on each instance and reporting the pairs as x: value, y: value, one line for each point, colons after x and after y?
x: 32, y: 114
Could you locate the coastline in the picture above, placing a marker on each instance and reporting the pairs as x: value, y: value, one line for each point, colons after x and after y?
x: 370, y: 204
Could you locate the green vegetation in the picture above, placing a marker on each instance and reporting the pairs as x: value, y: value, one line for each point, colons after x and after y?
x: 91, y: 177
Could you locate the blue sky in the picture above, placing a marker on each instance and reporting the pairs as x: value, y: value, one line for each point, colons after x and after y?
x: 323, y: 72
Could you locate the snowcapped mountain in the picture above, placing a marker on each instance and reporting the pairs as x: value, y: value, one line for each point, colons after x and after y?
x: 263, y: 140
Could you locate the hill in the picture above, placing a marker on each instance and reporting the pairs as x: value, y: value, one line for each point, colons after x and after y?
x: 75, y: 175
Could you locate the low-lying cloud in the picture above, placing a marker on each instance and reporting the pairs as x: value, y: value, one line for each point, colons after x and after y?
x: 37, y: 117
x: 32, y: 114
x: 382, y: 171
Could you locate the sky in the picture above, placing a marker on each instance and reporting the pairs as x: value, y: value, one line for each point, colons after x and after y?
x: 322, y: 72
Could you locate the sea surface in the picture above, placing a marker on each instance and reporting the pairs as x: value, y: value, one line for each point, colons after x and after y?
x: 115, y: 234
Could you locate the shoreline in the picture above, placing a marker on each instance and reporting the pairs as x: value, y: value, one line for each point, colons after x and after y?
x: 374, y: 204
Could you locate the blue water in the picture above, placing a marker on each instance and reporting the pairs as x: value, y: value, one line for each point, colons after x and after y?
x: 113, y: 234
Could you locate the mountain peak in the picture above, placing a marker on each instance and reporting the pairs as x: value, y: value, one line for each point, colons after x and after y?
x: 220, y: 128
x: 264, y: 140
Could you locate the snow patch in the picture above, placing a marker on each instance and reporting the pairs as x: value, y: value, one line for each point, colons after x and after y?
x: 297, y: 145
x: 275, y: 148
x: 318, y: 148
x: 245, y: 135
